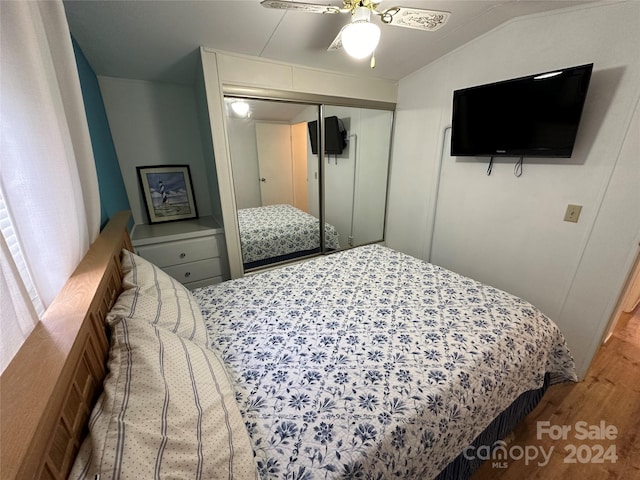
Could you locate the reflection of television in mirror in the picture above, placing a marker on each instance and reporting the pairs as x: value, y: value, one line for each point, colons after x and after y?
x: 534, y: 116
x: 334, y: 136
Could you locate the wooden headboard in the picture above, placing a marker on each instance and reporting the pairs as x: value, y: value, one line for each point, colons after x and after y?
x: 49, y: 388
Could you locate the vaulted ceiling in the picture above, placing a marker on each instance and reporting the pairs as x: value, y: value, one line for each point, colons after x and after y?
x: 159, y: 40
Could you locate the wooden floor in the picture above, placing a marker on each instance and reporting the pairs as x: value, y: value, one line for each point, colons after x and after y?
x: 611, y: 394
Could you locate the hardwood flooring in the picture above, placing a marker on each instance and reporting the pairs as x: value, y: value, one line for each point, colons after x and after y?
x: 610, y: 393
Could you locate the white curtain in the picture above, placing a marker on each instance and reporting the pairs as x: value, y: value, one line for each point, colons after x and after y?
x: 49, y: 200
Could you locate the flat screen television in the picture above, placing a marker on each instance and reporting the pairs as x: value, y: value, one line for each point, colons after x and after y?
x: 533, y: 116
x: 334, y: 136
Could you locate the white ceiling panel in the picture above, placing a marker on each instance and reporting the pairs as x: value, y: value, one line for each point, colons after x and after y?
x: 159, y: 40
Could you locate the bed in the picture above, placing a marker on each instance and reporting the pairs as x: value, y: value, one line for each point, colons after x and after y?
x: 369, y: 362
x: 274, y: 233
x: 365, y: 363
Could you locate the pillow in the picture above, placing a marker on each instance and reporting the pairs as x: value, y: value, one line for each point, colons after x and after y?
x: 152, y: 295
x: 167, y: 411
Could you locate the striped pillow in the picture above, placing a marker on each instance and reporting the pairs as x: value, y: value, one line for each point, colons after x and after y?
x: 167, y: 411
x: 152, y: 295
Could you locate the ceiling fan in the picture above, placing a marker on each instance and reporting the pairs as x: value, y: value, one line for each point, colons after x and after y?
x: 360, y: 37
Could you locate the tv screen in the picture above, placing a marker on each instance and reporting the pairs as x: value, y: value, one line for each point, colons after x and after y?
x: 334, y: 136
x: 534, y: 116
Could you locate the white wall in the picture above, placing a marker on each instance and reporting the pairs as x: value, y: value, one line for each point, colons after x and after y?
x: 508, y: 231
x: 155, y: 124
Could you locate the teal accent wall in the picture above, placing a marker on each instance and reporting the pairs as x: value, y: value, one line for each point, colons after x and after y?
x: 113, y: 196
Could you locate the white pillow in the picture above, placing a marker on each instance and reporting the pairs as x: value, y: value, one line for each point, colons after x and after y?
x: 167, y: 411
x: 152, y: 295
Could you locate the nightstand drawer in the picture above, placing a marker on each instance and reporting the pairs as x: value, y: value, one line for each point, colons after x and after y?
x: 181, y: 251
x: 194, y: 271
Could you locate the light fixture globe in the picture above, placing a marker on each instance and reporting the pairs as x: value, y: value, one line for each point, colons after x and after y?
x: 360, y: 38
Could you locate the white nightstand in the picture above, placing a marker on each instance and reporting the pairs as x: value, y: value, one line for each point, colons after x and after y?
x: 191, y: 251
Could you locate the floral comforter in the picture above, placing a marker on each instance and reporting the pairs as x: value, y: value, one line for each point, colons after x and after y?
x: 369, y: 363
x: 275, y: 230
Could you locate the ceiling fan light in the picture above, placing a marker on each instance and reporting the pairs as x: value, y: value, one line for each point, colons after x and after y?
x: 360, y: 38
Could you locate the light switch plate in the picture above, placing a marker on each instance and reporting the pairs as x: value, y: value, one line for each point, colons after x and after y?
x: 573, y: 213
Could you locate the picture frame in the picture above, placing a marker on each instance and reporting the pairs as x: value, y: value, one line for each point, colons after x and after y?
x: 168, y: 192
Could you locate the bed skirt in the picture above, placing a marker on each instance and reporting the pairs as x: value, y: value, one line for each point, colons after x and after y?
x: 463, y: 467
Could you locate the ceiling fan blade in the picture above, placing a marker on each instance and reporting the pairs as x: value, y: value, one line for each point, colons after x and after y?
x: 414, y: 18
x: 337, y: 42
x: 300, y: 6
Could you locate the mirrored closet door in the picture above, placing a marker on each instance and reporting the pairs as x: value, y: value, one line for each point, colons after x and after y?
x: 355, y: 180
x: 287, y: 191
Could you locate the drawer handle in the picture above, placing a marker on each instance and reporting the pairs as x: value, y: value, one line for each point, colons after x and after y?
x: 182, y: 255
x: 187, y: 274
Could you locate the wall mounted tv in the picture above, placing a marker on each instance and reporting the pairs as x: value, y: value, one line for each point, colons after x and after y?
x: 533, y: 116
x: 334, y: 136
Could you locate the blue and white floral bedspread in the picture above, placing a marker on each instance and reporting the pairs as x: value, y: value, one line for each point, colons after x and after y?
x: 372, y: 364
x: 274, y: 230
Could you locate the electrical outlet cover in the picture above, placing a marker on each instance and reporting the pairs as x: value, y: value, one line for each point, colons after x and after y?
x: 573, y: 213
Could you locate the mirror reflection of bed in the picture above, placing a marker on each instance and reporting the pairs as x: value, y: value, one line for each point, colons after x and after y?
x: 277, y: 179
x: 276, y: 233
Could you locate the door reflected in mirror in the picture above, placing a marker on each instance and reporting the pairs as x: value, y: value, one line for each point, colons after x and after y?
x: 274, y: 161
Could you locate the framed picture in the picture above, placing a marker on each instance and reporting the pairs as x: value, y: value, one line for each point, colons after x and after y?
x: 167, y: 192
